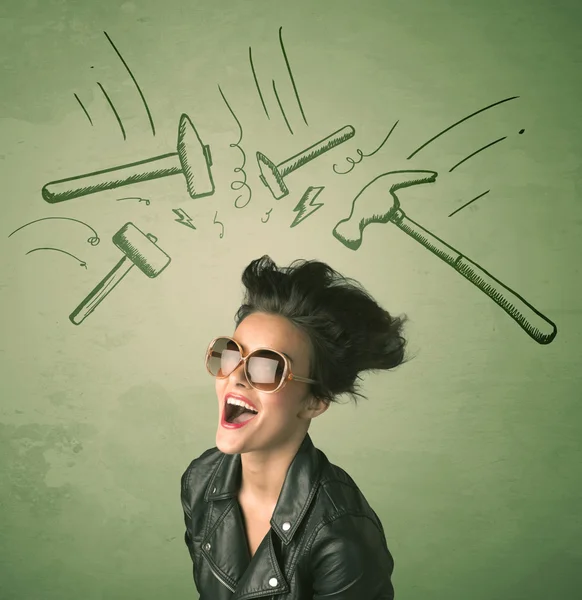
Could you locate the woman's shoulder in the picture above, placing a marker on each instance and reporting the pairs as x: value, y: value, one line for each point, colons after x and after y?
x: 343, y: 491
x: 201, y: 466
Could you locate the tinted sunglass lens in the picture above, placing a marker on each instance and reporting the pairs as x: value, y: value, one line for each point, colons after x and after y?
x: 223, y: 358
x: 265, y: 370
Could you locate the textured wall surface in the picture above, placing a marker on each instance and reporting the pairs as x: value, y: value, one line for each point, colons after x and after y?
x: 470, y: 453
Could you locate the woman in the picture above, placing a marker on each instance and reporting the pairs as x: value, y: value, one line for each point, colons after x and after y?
x: 267, y: 515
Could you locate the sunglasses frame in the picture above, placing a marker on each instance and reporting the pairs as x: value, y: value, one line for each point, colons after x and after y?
x: 286, y: 377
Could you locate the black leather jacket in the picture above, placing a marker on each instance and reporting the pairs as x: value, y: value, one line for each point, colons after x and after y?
x: 325, y: 540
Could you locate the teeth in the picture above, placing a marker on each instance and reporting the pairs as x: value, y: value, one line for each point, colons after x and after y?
x: 241, y: 403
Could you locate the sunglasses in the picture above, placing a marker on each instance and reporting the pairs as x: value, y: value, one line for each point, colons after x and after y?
x: 266, y: 370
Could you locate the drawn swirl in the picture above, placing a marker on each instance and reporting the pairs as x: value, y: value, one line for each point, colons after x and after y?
x: 238, y: 184
x: 353, y: 162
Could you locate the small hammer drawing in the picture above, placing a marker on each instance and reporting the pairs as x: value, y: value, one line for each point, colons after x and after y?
x: 370, y: 206
x: 193, y: 160
x: 272, y: 174
x: 140, y: 251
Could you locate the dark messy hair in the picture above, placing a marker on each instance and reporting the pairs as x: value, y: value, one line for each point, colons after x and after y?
x: 349, y: 332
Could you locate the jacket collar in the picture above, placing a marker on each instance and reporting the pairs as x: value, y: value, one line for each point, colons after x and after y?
x: 299, y: 487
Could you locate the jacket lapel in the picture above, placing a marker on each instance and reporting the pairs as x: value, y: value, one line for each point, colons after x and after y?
x: 224, y: 544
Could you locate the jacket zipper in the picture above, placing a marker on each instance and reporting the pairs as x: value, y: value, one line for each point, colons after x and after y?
x: 219, y: 577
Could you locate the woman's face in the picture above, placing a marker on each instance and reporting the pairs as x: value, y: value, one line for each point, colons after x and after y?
x: 283, y: 416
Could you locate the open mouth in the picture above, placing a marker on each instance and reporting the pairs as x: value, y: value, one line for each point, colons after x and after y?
x: 237, y: 414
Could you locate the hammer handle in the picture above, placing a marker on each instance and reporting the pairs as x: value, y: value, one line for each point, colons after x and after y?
x: 338, y: 137
x: 101, y: 290
x: 536, y: 325
x: 108, y: 179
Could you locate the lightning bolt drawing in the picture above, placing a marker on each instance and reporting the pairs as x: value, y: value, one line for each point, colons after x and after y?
x: 183, y: 217
x: 310, y: 196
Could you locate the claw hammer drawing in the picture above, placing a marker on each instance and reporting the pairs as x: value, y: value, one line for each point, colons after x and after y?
x: 370, y: 206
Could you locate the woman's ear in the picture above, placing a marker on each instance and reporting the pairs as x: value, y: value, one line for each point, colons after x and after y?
x: 313, y: 407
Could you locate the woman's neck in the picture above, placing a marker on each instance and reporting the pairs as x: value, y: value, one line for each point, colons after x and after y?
x: 263, y: 474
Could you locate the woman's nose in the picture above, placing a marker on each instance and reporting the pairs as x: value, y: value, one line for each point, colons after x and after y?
x: 238, y: 376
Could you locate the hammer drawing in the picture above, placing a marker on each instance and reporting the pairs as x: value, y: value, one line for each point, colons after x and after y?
x: 140, y: 251
x: 272, y: 174
x: 192, y: 159
x: 370, y: 206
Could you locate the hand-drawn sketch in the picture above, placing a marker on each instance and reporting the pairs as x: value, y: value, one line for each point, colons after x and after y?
x: 438, y: 135
x: 84, y: 109
x: 272, y: 175
x: 280, y: 105
x: 257, y: 83
x: 371, y: 206
x: 192, y: 159
x: 237, y: 184
x: 362, y: 155
x: 135, y: 83
x: 140, y: 250
x: 290, y: 72
x: 81, y: 263
x: 216, y: 222
x: 470, y: 202
x: 114, y: 110
x: 93, y: 240
x: 476, y: 152
x: 139, y: 200
x: 307, y: 201
x: 183, y: 218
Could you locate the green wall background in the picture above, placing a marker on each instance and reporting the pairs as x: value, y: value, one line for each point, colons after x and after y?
x: 470, y: 453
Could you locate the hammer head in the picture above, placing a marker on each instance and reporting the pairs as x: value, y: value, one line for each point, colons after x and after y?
x: 377, y: 202
x: 195, y: 159
x: 141, y: 249
x: 271, y: 177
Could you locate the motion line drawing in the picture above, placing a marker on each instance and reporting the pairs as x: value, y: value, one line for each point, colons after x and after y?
x: 140, y: 250
x: 272, y: 175
x: 476, y: 152
x: 139, y: 200
x: 192, y: 159
x: 257, y: 83
x: 370, y: 206
x: 470, y: 202
x: 139, y: 90
x: 84, y: 109
x: 93, y: 240
x: 281, y: 107
x: 114, y: 111
x: 82, y: 263
x: 473, y: 114
x: 291, y: 75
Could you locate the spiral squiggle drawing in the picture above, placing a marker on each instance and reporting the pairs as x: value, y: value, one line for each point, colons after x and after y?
x: 238, y: 184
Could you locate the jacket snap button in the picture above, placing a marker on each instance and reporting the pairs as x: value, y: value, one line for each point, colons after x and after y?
x: 207, y: 547
x: 273, y: 582
x: 214, y: 491
x: 286, y: 526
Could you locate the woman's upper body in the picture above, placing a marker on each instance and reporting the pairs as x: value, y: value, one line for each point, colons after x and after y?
x: 324, y: 541
x: 267, y: 515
